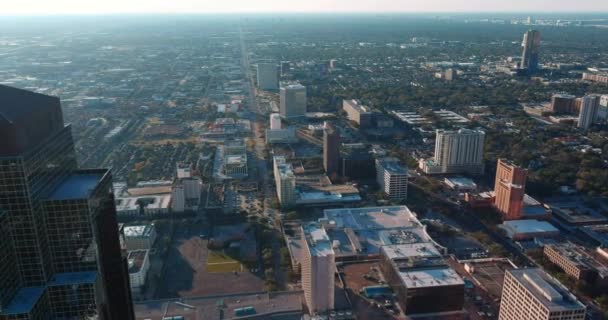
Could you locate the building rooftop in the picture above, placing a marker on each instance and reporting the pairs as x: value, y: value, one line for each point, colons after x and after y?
x: 529, y: 226
x: 546, y: 289
x: 317, y: 240
x: 579, y: 255
x: 285, y: 169
x: 24, y: 301
x: 356, y: 104
x: 78, y: 185
x: 372, y: 218
x: 598, y: 232
x: 575, y: 211
x: 139, y: 231
x: 136, y: 260
x: 461, y: 183
x: 392, y: 166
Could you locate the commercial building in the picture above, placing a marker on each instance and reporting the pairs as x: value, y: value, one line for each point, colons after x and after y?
x: 139, y: 237
x: 563, y: 104
x: 460, y: 184
x: 357, y: 162
x: 331, y: 150
x: 589, y: 107
x: 285, y: 67
x: 268, y: 76
x: 392, y: 178
x: 596, y: 77
x: 456, y: 152
x: 231, y: 160
x: 529, y: 229
x: 357, y: 112
x: 318, y: 269
x: 139, y: 264
x: 578, y: 262
x: 532, y: 294
x: 54, y: 218
x: 421, y: 279
x: 286, y: 135
x: 293, y: 101
x: 275, y: 121
x: 285, y: 181
x: 509, y: 189
x: 531, y: 50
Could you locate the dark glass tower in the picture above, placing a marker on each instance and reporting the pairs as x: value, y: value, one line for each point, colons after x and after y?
x: 56, y: 240
x: 531, y: 45
x: 331, y: 151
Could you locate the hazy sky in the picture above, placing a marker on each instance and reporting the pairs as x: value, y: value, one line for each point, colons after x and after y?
x: 36, y: 7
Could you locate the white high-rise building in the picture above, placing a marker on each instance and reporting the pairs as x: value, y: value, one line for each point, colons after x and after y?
x: 392, y: 178
x: 318, y: 269
x: 456, y: 152
x: 275, y: 121
x: 285, y: 181
x: 293, y: 101
x: 589, y: 108
x: 532, y: 294
x: 268, y: 76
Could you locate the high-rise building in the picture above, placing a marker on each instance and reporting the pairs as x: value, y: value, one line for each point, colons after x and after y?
x: 357, y: 112
x: 531, y: 45
x: 590, y: 105
x: 392, y: 178
x: 285, y: 67
x: 285, y: 182
x: 61, y: 256
x: 509, y: 189
x: 293, y: 101
x: 456, y: 152
x: 275, y: 121
x: 331, y: 150
x: 563, y: 104
x: 318, y: 269
x: 268, y: 76
x: 531, y: 294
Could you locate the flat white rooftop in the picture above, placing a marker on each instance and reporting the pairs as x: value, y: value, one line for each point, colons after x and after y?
x: 317, y: 240
x: 546, y: 289
x: 432, y: 277
x: 373, y: 218
x: 529, y: 226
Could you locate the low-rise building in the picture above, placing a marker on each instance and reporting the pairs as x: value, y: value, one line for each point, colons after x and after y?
x: 578, y: 262
x: 421, y: 279
x: 357, y: 112
x: 529, y: 229
x: 460, y: 184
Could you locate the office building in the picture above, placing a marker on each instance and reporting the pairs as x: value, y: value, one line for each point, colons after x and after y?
x: 285, y: 182
x: 422, y: 281
x: 596, y: 77
x: 331, y: 150
x: 392, y: 178
x: 509, y: 189
x: 531, y: 50
x: 54, y: 216
x: 563, y: 104
x: 139, y: 237
x: 531, y: 294
x: 139, y: 264
x: 578, y: 262
x: 456, y: 152
x: 358, y: 113
x: 268, y: 76
x: 285, y: 68
x: 318, y: 269
x: 357, y: 162
x: 275, y: 121
x: 519, y: 230
x: 293, y: 101
x: 589, y: 107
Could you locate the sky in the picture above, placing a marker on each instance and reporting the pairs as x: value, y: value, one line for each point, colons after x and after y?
x: 52, y: 7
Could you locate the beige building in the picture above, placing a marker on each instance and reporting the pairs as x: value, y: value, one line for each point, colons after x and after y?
x: 578, y: 262
x: 456, y: 152
x: 318, y: 268
x: 285, y: 181
x: 358, y: 112
x: 531, y: 294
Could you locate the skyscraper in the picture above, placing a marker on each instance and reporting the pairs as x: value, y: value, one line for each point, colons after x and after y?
x: 293, y: 101
x: 531, y: 45
x: 318, y: 268
x: 531, y: 294
x: 268, y: 76
x: 456, y: 152
x: 60, y: 252
x: 590, y: 105
x: 392, y: 178
x: 285, y: 181
x: 331, y: 150
x: 509, y: 189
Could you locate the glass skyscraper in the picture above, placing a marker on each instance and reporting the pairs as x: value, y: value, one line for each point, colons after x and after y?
x: 60, y: 257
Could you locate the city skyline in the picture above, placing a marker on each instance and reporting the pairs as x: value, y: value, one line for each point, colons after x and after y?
x: 34, y: 7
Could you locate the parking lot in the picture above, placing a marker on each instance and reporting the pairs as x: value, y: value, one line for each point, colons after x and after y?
x: 186, y: 272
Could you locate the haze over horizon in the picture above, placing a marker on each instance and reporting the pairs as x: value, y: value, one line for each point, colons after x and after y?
x: 38, y: 7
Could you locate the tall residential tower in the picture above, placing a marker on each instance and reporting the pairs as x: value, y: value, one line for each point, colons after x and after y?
x: 509, y: 189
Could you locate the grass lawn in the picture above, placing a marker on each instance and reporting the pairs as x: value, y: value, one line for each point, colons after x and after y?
x: 217, y: 261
